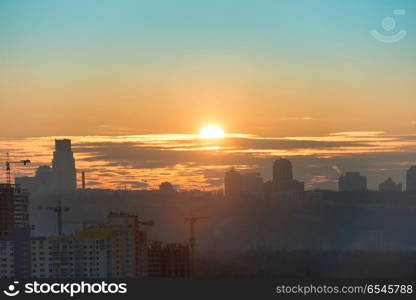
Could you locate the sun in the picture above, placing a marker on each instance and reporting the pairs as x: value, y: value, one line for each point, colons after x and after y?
x: 211, y: 132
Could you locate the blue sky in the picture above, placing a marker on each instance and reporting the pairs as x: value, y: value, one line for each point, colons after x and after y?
x: 302, y: 27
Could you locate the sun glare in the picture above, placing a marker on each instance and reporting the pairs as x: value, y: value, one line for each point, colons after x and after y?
x: 211, y: 132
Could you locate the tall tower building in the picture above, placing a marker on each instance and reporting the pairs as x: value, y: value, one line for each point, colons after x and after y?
x: 282, y: 172
x: 63, y: 167
x: 283, y: 177
x: 411, y: 179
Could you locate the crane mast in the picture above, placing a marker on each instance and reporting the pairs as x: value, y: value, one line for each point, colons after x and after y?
x: 192, y: 239
x: 58, y: 210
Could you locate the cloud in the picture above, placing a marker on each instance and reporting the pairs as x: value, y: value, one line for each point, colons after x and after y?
x: 145, y: 161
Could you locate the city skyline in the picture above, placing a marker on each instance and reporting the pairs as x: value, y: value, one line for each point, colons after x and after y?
x: 268, y: 140
x: 192, y: 162
x: 132, y: 83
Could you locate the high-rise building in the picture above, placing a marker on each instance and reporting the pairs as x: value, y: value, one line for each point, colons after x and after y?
x: 232, y: 183
x: 390, y: 186
x: 115, y: 249
x: 411, y: 179
x: 14, y: 232
x: 14, y: 215
x: 80, y: 255
x: 283, y: 177
x: 28, y: 183
x: 282, y: 172
x: 42, y: 180
x: 44, y: 176
x: 252, y: 183
x: 171, y: 260
x: 63, y: 167
x: 352, y: 182
x: 128, y: 250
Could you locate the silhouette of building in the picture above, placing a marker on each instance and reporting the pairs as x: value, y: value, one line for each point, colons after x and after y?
x: 14, y: 232
x: 232, y: 183
x: 63, y: 167
x: 166, y: 188
x: 44, y: 176
x: 352, y: 181
x: 283, y: 177
x: 171, y: 260
x: 411, y: 179
x: 236, y: 183
x: 42, y: 180
x: 14, y: 215
x: 252, y: 184
x: 28, y: 183
x: 389, y: 186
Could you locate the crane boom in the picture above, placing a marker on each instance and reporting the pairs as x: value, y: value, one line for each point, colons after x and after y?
x: 8, y: 166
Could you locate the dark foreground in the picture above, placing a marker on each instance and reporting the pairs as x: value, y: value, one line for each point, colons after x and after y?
x: 308, y: 264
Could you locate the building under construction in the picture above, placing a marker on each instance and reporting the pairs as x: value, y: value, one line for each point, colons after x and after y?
x: 14, y: 232
x: 170, y: 260
x: 114, y: 249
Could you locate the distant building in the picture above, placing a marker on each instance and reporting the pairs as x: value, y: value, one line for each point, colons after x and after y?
x: 167, y: 188
x: 62, y: 175
x: 411, y: 179
x: 63, y: 167
x: 389, y: 186
x: 28, y: 183
x: 14, y: 214
x: 44, y: 176
x: 232, y: 183
x: 171, y: 260
x: 14, y: 232
x: 283, y: 177
x: 42, y: 180
x: 252, y: 183
x: 352, y: 181
x: 268, y: 188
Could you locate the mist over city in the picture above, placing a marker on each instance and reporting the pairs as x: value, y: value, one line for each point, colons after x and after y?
x: 207, y: 139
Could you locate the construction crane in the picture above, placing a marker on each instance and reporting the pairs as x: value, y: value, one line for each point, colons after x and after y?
x: 58, y: 210
x: 192, y: 239
x: 8, y: 168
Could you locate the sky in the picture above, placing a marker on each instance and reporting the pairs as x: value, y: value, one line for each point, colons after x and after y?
x: 120, y: 72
